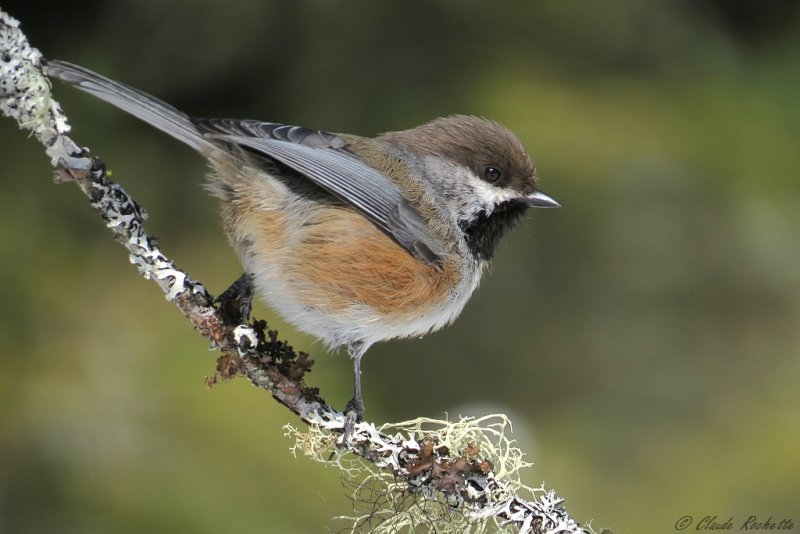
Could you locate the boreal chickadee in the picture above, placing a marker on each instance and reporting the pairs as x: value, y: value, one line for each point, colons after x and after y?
x: 351, y: 239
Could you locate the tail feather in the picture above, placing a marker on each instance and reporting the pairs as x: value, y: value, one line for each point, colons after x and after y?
x: 138, y: 103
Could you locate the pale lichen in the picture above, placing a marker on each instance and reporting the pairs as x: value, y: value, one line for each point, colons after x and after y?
x: 403, y: 499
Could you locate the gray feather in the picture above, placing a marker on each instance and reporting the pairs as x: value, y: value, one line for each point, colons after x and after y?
x: 139, y: 104
x: 269, y: 130
x: 358, y: 184
x: 319, y: 156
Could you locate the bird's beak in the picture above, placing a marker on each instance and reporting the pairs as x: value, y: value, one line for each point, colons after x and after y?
x: 540, y: 200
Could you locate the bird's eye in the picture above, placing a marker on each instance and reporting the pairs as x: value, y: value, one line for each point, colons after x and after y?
x: 492, y: 174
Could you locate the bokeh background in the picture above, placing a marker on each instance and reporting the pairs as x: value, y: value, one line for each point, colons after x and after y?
x: 644, y: 339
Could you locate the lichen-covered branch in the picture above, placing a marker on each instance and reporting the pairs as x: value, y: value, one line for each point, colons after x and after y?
x: 464, y: 474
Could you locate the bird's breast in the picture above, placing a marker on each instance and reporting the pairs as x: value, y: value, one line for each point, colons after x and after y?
x: 338, y: 259
x: 334, y: 274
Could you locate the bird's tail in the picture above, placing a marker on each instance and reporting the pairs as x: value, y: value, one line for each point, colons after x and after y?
x: 138, y: 103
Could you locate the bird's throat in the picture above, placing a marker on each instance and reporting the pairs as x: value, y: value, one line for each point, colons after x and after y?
x: 483, y: 232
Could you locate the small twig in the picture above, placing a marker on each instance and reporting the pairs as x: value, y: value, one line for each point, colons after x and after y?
x: 250, y: 349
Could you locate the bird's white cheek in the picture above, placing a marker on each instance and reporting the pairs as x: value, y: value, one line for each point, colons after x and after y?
x: 488, y: 196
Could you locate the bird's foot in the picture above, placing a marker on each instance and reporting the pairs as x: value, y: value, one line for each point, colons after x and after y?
x: 353, y: 413
x: 236, y: 302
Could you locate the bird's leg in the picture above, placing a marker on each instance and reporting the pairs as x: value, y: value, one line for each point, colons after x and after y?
x: 356, y: 404
x: 354, y: 411
x: 236, y: 302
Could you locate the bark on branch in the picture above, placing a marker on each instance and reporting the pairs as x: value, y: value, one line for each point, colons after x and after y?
x: 467, y: 478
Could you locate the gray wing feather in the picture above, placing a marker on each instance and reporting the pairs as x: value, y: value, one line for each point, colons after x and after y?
x: 270, y: 130
x: 315, y: 154
x: 408, y: 227
x: 358, y: 184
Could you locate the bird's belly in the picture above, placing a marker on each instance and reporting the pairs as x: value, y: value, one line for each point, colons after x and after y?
x: 333, y: 274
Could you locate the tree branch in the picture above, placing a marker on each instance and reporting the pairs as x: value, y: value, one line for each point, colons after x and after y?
x: 424, y: 462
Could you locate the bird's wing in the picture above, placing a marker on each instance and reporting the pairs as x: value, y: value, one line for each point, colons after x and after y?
x: 323, y: 159
x: 319, y: 156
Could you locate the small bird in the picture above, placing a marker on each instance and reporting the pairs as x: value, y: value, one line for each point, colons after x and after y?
x: 353, y: 240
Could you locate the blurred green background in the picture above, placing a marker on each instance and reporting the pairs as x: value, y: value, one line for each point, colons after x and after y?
x: 644, y: 339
